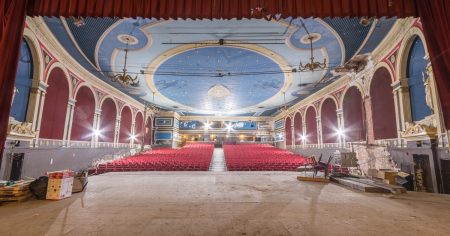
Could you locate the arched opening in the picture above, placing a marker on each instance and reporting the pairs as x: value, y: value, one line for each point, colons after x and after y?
x: 288, y: 132
x: 328, y: 117
x: 311, y: 126
x: 148, y: 131
x: 354, y: 115
x: 383, y: 107
x: 416, y: 66
x: 125, y: 125
x: 298, y: 129
x: 55, y: 106
x: 83, y: 116
x: 24, y: 79
x: 138, y: 128
x: 107, y: 121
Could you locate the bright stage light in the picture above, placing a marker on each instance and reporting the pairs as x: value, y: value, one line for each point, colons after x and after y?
x: 229, y: 127
x: 96, y: 132
x: 132, y: 137
x: 303, y: 137
x: 207, y: 125
x: 340, y: 132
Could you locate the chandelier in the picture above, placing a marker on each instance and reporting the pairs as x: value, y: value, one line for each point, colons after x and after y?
x: 123, y: 78
x: 312, y: 65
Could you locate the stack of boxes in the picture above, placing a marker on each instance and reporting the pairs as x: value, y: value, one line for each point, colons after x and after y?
x: 59, y: 184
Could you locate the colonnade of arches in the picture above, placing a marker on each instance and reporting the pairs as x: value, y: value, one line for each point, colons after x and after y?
x: 71, y: 111
x: 359, y: 115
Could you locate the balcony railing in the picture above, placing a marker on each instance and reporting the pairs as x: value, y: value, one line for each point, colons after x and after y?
x: 55, y: 143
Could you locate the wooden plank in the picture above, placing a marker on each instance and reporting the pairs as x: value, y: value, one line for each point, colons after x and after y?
x: 349, y: 182
x: 389, y: 187
x: 311, y: 179
x: 15, y: 199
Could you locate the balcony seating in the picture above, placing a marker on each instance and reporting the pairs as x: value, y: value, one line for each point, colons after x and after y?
x: 261, y: 157
x: 192, y: 157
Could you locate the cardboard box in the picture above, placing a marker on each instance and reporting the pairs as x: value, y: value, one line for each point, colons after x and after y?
x: 60, y: 185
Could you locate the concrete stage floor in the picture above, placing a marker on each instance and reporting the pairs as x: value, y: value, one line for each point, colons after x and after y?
x: 227, y: 203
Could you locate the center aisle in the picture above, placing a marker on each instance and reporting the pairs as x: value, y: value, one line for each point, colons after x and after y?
x: 218, y: 161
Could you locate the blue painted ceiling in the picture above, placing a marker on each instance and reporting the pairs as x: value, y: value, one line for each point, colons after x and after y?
x: 187, y: 70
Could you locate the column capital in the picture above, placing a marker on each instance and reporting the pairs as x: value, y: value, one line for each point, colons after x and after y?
x: 98, y: 111
x: 71, y: 102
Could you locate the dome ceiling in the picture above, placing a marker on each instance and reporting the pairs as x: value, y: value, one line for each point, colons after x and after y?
x: 218, y: 67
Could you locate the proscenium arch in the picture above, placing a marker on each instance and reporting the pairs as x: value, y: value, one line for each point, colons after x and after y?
x: 329, y: 121
x: 354, y: 115
x: 298, y: 128
x: 383, y: 105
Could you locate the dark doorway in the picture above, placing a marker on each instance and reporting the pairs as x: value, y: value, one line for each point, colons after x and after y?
x: 445, y: 168
x: 422, y: 173
x: 16, y: 166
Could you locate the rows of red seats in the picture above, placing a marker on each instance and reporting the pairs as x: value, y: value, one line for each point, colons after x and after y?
x: 192, y: 157
x: 261, y: 157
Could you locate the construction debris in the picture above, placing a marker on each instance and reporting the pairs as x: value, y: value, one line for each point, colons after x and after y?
x: 16, y: 192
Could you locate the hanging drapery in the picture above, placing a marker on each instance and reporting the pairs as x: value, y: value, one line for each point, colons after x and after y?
x: 12, y: 21
x: 222, y: 9
x: 436, y: 23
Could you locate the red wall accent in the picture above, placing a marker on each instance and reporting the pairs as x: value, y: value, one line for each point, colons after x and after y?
x: 55, y: 106
x: 288, y: 131
x: 311, y: 126
x: 83, y: 115
x: 138, y: 128
x: 148, y: 132
x: 329, y: 121
x: 298, y: 128
x: 383, y: 108
x: 353, y: 115
x: 107, y: 120
x: 125, y: 125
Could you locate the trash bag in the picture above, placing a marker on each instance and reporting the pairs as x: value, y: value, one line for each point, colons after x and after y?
x: 39, y: 188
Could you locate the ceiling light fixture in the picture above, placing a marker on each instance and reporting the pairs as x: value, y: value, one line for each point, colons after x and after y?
x: 123, y: 78
x: 285, y: 107
x: 311, y: 65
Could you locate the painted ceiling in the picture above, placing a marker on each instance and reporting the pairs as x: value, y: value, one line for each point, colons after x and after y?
x: 218, y: 67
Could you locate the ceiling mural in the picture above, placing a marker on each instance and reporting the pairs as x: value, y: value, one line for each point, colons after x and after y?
x: 215, y: 67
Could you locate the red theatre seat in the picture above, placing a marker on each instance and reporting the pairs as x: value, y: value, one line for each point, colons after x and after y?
x: 260, y: 157
x: 192, y: 157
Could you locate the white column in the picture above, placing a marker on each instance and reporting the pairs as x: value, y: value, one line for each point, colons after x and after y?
x: 293, y: 135
x: 96, y: 126
x: 398, y: 116
x: 133, y: 133
x: 69, y: 120
x: 340, y: 119
x: 319, y: 131
x: 303, y: 133
x: 38, y: 106
x: 116, y: 131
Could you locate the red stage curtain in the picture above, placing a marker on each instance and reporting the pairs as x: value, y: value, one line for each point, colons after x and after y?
x: 226, y: 9
x: 435, y: 15
x: 12, y: 21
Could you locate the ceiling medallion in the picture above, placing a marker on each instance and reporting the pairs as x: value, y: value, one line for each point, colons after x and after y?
x: 219, y: 91
x: 127, y: 39
x: 314, y: 38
